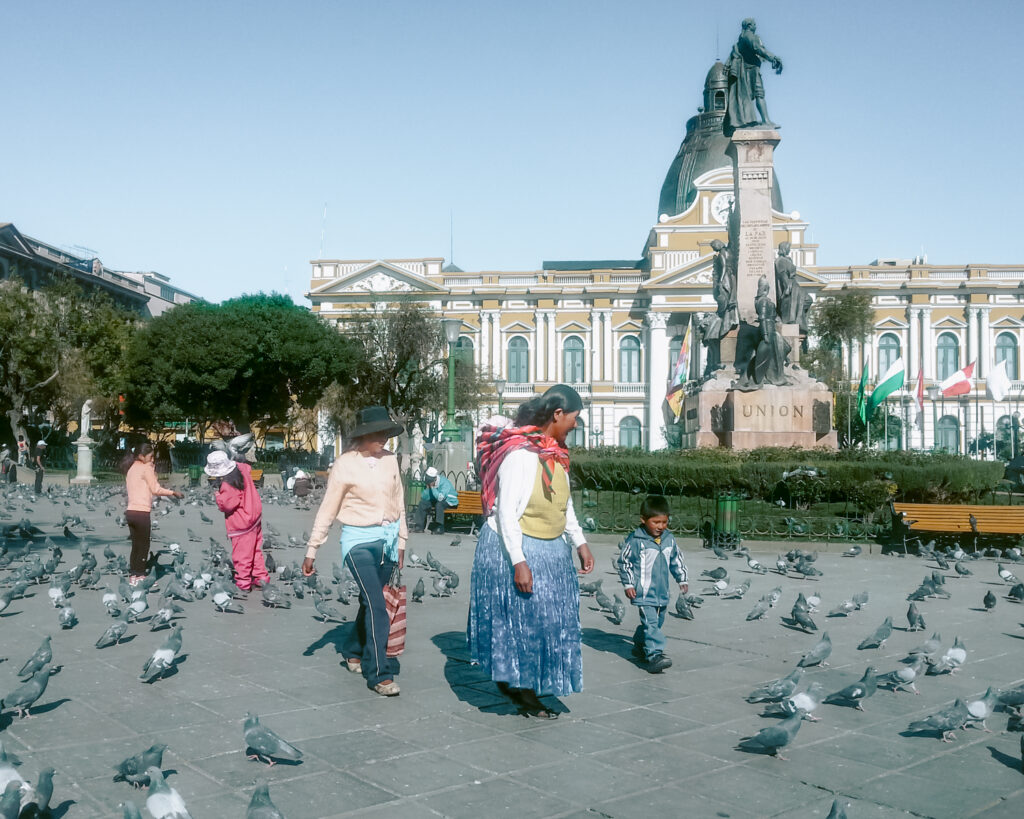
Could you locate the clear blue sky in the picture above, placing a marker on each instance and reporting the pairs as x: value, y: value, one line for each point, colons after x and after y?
x: 202, y: 139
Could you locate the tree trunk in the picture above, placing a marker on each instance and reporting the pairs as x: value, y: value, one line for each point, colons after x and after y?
x: 14, y: 416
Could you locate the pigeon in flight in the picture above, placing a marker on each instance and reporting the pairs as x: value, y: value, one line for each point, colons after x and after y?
x: 265, y: 743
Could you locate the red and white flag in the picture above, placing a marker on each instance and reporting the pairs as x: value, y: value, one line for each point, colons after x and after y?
x: 959, y: 383
x: 919, y: 397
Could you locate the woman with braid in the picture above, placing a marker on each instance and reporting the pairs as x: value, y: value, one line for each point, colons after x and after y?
x: 524, y: 616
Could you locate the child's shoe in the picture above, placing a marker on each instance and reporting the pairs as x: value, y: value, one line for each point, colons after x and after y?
x: 639, y: 652
x: 658, y: 663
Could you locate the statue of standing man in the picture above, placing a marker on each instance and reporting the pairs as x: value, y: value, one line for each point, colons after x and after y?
x: 787, y: 291
x: 746, y: 107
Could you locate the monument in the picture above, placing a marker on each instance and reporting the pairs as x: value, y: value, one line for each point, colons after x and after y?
x: 753, y: 392
x: 85, y: 444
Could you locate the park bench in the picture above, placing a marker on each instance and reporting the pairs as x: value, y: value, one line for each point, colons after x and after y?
x: 956, y: 518
x: 257, y: 477
x: 320, y: 478
x: 470, y: 504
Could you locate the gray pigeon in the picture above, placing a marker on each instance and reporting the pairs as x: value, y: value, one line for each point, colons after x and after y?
x: 618, y: 611
x: 327, y: 611
x: 856, y: 693
x: 683, y: 608
x: 945, y: 722
x: 803, y: 619
x: 260, y: 807
x: 39, y: 803
x: 989, y: 600
x: 878, y: 637
x: 418, y: 592
x: 603, y: 600
x: 10, y: 801
x: 42, y: 656
x: 777, y: 689
x: 929, y: 646
x: 905, y: 675
x: 440, y: 584
x: 760, y: 609
x: 163, y: 658
x: 953, y: 659
x: 861, y: 599
x: 981, y: 709
x: 265, y: 743
x: 163, y: 801
x: 222, y: 601
x: 22, y: 698
x: 114, y: 632
x: 914, y: 618
x: 773, y: 738
x: 844, y: 609
x: 129, y: 810
x: 67, y: 617
x: 274, y: 597
x: 806, y: 701
x: 819, y: 654
x: 133, y: 770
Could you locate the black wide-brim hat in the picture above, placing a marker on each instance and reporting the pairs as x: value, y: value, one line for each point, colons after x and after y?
x: 371, y: 420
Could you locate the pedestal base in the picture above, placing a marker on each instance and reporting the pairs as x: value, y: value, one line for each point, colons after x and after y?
x: 84, y: 476
x: 799, y: 416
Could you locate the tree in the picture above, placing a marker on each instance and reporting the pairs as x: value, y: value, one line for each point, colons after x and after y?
x: 843, y: 318
x: 403, y: 368
x: 247, y: 359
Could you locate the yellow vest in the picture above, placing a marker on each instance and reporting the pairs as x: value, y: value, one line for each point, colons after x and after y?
x: 544, y: 517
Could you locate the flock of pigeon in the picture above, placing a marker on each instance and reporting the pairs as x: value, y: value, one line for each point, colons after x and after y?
x: 86, y: 578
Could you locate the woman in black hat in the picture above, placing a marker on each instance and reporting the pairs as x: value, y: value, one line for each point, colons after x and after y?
x: 365, y: 494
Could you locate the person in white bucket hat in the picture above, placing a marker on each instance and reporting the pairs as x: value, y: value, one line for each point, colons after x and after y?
x: 239, y: 500
x: 438, y: 493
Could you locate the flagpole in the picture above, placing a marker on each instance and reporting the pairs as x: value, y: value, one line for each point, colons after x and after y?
x: 885, y: 420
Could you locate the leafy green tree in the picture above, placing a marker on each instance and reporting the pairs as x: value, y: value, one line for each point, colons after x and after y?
x: 843, y: 318
x: 247, y: 359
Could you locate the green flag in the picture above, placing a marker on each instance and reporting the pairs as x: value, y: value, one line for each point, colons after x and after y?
x: 891, y: 381
x: 862, y: 407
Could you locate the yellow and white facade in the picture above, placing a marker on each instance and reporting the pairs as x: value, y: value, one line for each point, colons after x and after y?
x: 612, y: 328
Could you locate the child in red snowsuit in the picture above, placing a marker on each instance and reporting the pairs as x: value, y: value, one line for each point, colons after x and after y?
x: 238, y: 499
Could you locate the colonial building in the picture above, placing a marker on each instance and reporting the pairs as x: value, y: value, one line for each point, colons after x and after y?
x: 613, y: 328
x: 36, y: 263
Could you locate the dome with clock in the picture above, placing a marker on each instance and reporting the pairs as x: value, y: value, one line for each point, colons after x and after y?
x: 703, y: 149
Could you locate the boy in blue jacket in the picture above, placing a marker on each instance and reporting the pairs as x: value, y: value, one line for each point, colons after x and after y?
x: 648, y: 557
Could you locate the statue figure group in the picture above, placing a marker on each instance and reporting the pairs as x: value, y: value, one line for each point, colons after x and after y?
x: 746, y: 106
x: 727, y: 316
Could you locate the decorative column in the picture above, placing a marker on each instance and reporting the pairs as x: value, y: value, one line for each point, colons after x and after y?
x: 502, y: 368
x: 552, y: 348
x: 928, y: 341
x: 972, y: 337
x: 985, y: 348
x: 538, y: 347
x: 657, y: 367
x: 486, y: 317
x: 594, y: 365
x: 914, y: 345
x: 609, y: 351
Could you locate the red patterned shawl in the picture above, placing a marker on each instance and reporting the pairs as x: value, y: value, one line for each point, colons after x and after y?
x: 494, y: 443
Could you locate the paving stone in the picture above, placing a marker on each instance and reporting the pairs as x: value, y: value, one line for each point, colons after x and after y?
x: 418, y: 774
x: 584, y: 781
x: 497, y: 797
x: 666, y: 801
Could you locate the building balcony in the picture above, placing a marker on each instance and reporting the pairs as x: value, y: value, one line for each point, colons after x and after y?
x: 638, y: 389
x: 518, y: 388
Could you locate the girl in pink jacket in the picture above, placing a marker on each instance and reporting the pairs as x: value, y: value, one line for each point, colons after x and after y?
x: 238, y: 499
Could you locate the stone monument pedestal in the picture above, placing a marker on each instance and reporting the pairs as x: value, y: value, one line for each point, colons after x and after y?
x: 84, y: 476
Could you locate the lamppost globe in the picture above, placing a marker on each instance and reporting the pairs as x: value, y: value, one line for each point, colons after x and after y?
x: 452, y: 327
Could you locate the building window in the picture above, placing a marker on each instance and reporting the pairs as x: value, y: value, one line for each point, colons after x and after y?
x: 1006, y: 350
x: 629, y: 360
x: 572, y: 360
x: 629, y: 432
x: 947, y: 434
x: 947, y: 355
x: 167, y: 293
x: 577, y: 437
x: 888, y: 352
x: 719, y: 100
x: 464, y: 350
x: 518, y: 360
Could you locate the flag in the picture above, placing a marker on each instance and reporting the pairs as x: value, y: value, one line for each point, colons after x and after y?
x: 919, y: 398
x: 862, y: 407
x: 675, y: 401
x: 959, y: 383
x: 998, y: 382
x: 891, y: 381
x: 679, y: 375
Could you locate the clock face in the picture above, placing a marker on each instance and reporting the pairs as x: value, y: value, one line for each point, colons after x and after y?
x: 720, y: 207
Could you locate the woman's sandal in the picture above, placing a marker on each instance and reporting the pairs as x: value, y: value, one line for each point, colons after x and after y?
x: 527, y: 701
x: 355, y: 666
x: 387, y: 689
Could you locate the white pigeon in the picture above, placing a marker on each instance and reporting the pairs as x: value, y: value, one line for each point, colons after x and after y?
x: 111, y: 601
x: 164, y: 802
x: 813, y: 602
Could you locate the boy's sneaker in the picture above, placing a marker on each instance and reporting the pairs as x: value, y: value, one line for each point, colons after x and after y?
x: 639, y: 652
x: 658, y: 663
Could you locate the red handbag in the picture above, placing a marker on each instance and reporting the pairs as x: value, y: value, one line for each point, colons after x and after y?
x: 394, y: 602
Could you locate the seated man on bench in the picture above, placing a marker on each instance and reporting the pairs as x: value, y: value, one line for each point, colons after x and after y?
x: 438, y: 493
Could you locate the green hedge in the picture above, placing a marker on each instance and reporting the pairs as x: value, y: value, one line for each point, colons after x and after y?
x: 861, y: 476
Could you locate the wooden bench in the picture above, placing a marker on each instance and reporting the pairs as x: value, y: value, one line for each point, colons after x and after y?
x: 470, y: 503
x: 257, y: 477
x: 956, y: 518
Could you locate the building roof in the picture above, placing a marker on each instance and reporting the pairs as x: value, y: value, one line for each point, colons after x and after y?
x: 599, y: 264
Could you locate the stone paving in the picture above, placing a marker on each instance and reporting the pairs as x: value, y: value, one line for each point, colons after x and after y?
x: 631, y: 745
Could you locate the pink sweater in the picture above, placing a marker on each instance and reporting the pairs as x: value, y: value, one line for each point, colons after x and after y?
x: 142, y: 485
x: 242, y: 509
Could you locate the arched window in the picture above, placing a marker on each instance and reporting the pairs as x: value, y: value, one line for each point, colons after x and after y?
x: 947, y: 355
x: 629, y: 432
x: 518, y: 360
x: 577, y: 437
x: 947, y: 434
x: 464, y: 350
x: 719, y: 100
x: 674, y: 346
x: 629, y: 360
x: 573, y: 370
x: 1006, y: 350
x: 888, y: 352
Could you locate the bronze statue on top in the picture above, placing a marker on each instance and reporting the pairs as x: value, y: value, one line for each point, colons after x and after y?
x: 746, y: 106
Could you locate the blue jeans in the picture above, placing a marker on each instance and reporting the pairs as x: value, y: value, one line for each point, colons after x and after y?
x: 648, y: 634
x: 368, y: 638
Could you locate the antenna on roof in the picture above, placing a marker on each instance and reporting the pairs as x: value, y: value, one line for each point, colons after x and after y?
x: 323, y: 228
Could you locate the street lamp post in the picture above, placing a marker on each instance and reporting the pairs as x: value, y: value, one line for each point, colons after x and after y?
x: 451, y: 333
x: 499, y: 387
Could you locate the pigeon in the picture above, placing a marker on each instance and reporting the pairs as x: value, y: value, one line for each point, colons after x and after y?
x: 1013, y: 698
x: 1006, y: 575
x: 39, y: 802
x: 773, y: 738
x: 111, y: 602
x: 265, y: 743
x: 456, y: 541
x: 115, y: 631
x: 945, y: 722
x: 806, y: 701
x: 10, y: 801
x: 844, y: 609
x: 856, y: 693
x: 914, y: 618
x: 929, y: 646
x: 165, y: 614
x: 878, y: 637
x: 683, y: 608
x: 8, y: 774
x: 717, y: 573
x: 260, y: 807
x: 222, y: 601
x: 955, y: 656
x: 67, y: 617
x: 42, y: 656
x: 989, y: 600
x: 861, y: 599
x: 441, y: 586
x: 736, y: 592
x: 818, y: 654
x: 781, y: 566
x: 961, y: 569
x: 137, y: 608
x: 755, y: 566
x: 777, y: 689
x: 163, y: 658
x: 603, y: 600
x: 418, y: 591
x: 327, y: 611
x: 853, y: 551
x: 904, y: 676
x: 273, y: 597
x: 22, y: 698
x: 618, y: 611
x: 163, y: 801
x: 981, y: 709
x: 133, y: 770
x: 5, y: 599
x: 1015, y: 595
x: 760, y: 609
x: 591, y: 588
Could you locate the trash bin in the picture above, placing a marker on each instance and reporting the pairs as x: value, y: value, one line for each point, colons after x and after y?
x: 726, y: 534
x: 195, y: 474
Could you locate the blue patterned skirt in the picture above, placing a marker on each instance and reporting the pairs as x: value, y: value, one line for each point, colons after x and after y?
x: 526, y: 640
